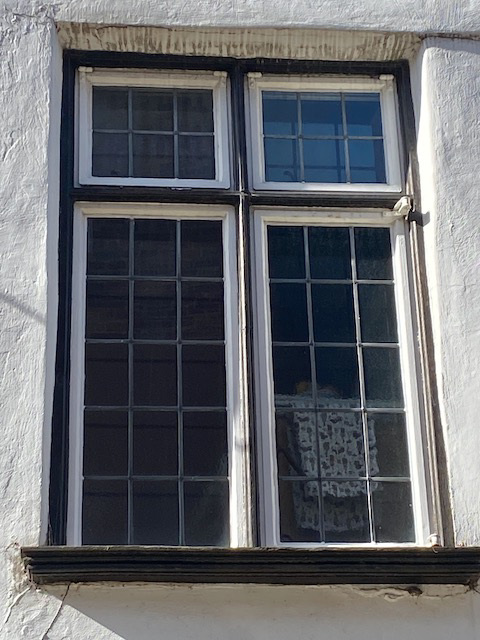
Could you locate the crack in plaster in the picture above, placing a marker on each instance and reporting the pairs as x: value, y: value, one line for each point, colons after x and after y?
x: 56, y: 616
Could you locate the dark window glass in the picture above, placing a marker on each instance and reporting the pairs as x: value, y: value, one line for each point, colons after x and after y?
x: 152, y: 110
x: 195, y: 110
x: 324, y: 161
x: 155, y: 247
x: 107, y: 309
x: 282, y: 160
x: 106, y: 374
x: 196, y: 157
x: 155, y: 512
x: 289, y: 312
x: 345, y: 511
x: 206, y: 514
x: 107, y: 247
x: 393, y: 512
x: 364, y: 117
x: 155, y: 310
x: 105, y: 516
x: 155, y: 443
x: 110, y: 108
x: 296, y: 440
x: 337, y: 376
x: 377, y: 313
x: 373, y: 253
x: 203, y: 369
x: 367, y: 161
x: 152, y: 156
x: 329, y: 253
x: 292, y: 376
x: 300, y: 515
x: 202, y: 248
x: 321, y: 114
x: 333, y: 316
x: 202, y: 311
x: 280, y: 113
x: 105, y: 443
x: 154, y: 375
x: 205, y: 443
x: 383, y: 384
x: 388, y: 445
x: 110, y: 155
x: 286, y: 253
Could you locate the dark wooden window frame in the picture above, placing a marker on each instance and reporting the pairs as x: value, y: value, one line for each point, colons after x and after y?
x: 56, y: 562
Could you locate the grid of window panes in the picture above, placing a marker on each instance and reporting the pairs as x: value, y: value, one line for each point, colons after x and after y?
x: 155, y: 461
x: 341, y: 440
x: 323, y: 137
x: 153, y: 133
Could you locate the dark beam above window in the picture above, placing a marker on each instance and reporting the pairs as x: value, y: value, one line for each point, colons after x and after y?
x: 50, y: 565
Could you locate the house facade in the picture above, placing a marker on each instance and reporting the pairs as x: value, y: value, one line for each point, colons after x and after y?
x: 240, y: 324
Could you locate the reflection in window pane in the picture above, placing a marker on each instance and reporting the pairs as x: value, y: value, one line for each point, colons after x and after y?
x: 377, y: 313
x: 388, y: 445
x: 337, y: 376
x: 324, y: 161
x: 367, y: 161
x: 341, y: 444
x: 364, y: 117
x: 280, y: 113
x: 292, y: 376
x: 296, y: 441
x: 383, y: 384
x: 321, y: 114
x: 281, y: 160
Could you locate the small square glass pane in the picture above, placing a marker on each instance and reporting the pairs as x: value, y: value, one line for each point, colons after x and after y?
x: 282, y: 163
x: 292, y: 377
x: 373, y: 253
x: 203, y: 375
x: 288, y: 303
x: 205, y: 449
x: 153, y: 156
x: 154, y: 375
x: 105, y: 443
x: 107, y: 309
x: 286, y: 252
x: 202, y: 248
x: 195, y: 110
x: 333, y: 315
x: 110, y: 108
x: 155, y: 247
x: 367, y: 161
x: 105, y: 512
x: 329, y: 253
x: 155, y: 443
x: 321, y: 114
x: 337, y: 377
x: 383, y: 384
x: 280, y: 113
x: 154, y: 310
x: 364, y: 116
x: 345, y: 511
x: 110, y: 155
x: 393, y: 512
x: 106, y: 375
x: 152, y: 110
x: 196, y: 157
x: 324, y: 161
x: 206, y: 514
x: 341, y: 444
x: 377, y: 313
x: 296, y: 442
x: 155, y: 512
x: 300, y: 515
x: 202, y: 311
x: 388, y: 445
x: 107, y: 252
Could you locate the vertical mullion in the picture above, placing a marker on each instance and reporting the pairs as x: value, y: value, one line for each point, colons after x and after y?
x: 300, y: 141
x: 361, y: 380
x: 313, y: 368
x: 175, y: 138
x: 131, y: 285
x: 181, y: 502
x: 345, y: 139
x: 130, y: 132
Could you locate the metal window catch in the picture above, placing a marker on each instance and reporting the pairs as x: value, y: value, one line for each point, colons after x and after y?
x: 403, y: 208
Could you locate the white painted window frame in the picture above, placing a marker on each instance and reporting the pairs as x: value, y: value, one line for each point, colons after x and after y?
x: 237, y: 435
x: 88, y: 77
x: 270, y: 515
x: 384, y: 85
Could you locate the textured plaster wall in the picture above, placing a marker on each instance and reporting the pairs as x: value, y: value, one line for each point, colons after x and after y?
x: 445, y: 75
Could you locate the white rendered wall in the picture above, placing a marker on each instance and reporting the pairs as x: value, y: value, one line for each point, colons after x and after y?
x: 445, y: 78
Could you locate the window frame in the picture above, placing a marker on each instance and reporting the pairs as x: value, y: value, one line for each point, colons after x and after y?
x: 89, y: 77
x: 264, y: 368
x: 241, y: 195
x: 384, y: 85
x: 235, y: 433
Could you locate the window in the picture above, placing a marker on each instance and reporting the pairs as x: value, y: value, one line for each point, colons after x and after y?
x: 227, y: 325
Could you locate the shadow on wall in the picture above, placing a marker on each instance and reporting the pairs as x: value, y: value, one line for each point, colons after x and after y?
x: 247, y: 612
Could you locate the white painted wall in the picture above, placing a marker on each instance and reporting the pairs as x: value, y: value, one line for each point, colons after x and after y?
x: 446, y: 88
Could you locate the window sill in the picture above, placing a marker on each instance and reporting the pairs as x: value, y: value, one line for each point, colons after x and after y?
x: 50, y: 565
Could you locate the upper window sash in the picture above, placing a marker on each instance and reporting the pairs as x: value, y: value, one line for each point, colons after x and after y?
x: 339, y: 91
x: 138, y: 81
